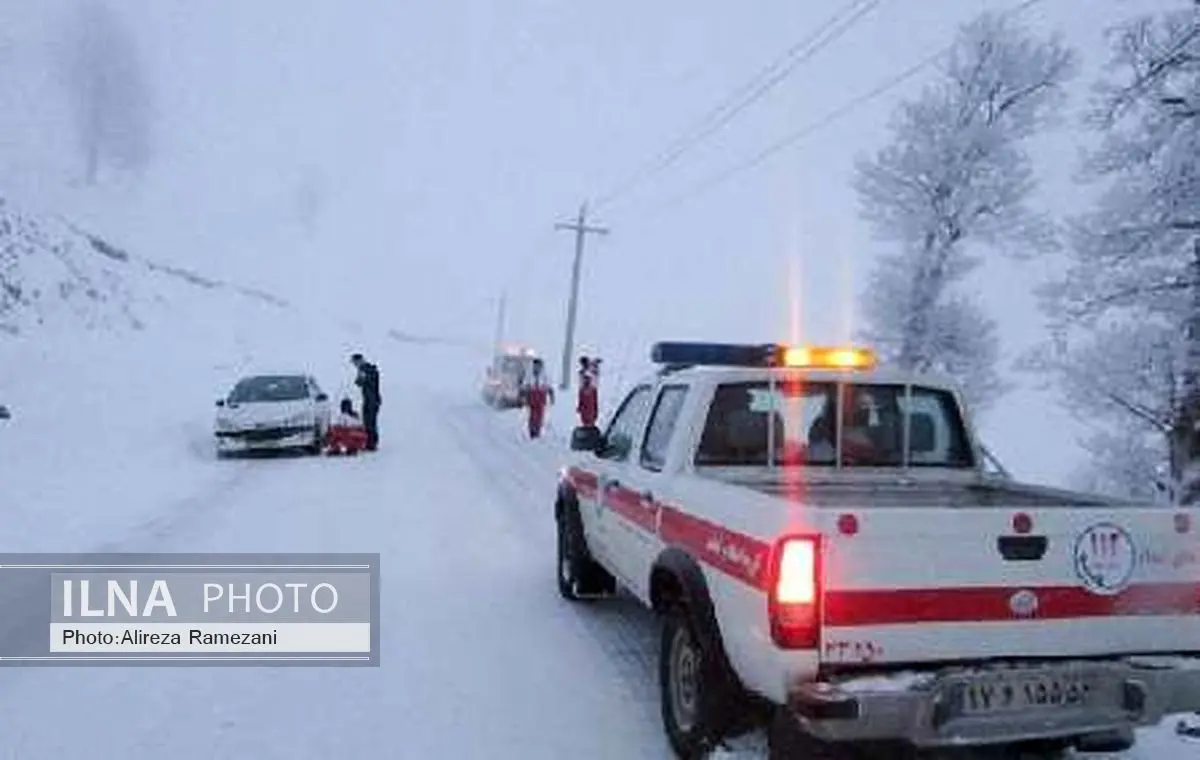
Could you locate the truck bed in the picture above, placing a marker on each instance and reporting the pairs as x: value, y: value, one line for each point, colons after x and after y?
x: 940, y: 569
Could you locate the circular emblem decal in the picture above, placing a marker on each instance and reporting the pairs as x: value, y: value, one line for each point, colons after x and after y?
x: 1105, y: 558
x: 1024, y: 603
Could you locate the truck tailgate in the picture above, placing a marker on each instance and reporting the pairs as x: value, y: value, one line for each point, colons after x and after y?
x: 911, y: 585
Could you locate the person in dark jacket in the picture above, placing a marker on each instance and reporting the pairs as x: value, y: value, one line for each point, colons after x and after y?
x: 368, y: 384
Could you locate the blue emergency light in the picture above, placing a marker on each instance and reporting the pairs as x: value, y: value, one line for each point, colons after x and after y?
x: 683, y: 353
x: 677, y: 354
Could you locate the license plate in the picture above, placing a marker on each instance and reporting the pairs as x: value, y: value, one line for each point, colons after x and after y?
x: 1012, y: 693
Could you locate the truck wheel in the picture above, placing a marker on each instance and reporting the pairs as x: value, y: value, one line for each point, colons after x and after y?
x: 697, y: 708
x: 580, y: 577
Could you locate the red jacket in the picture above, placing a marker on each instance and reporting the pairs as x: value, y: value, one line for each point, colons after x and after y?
x: 537, y: 394
x: 588, y: 404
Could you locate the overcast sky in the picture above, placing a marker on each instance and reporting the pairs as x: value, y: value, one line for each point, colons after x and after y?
x: 448, y: 137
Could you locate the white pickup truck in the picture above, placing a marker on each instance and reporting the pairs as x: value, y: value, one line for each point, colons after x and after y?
x: 823, y: 540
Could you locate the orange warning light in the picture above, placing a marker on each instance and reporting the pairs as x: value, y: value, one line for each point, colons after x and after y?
x: 825, y: 357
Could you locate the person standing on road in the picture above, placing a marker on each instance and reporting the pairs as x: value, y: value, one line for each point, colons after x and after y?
x: 536, y: 394
x: 368, y: 383
x: 588, y: 402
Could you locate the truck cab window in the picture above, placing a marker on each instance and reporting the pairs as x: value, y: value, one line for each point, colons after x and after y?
x: 625, y: 425
x: 871, y: 421
x: 662, y: 426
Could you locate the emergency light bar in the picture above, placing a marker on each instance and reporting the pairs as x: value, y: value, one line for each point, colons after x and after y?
x: 682, y: 353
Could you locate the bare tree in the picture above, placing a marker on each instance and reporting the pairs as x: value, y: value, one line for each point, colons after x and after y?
x: 956, y: 173
x: 1135, y: 261
x: 108, y: 92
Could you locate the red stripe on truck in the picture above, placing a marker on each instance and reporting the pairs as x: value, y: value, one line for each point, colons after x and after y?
x: 582, y: 481
x: 995, y: 604
x: 735, y: 554
x: 747, y: 560
x: 630, y: 505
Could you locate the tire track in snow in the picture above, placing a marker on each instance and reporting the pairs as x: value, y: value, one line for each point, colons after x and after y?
x: 626, y: 633
x: 524, y: 472
x: 149, y: 535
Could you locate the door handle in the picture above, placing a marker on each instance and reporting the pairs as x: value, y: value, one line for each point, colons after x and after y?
x: 648, y: 496
x: 611, y: 484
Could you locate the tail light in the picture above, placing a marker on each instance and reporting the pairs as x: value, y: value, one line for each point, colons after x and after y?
x: 795, y: 593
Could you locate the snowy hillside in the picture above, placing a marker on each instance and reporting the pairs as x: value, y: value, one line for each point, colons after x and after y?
x: 52, y: 273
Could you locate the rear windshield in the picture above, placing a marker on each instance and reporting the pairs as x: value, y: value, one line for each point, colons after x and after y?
x: 281, y: 388
x: 872, y: 424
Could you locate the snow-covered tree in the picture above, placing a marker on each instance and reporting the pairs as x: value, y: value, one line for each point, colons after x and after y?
x: 1129, y: 303
x: 956, y: 173
x: 1125, y: 462
x: 107, y: 90
x: 1120, y: 381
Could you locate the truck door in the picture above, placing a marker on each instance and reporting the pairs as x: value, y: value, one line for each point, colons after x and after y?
x: 607, y: 468
x: 633, y: 504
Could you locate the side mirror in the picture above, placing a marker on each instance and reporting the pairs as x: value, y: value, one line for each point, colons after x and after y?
x: 4, y: 413
x: 321, y: 397
x: 220, y: 402
x: 585, y: 438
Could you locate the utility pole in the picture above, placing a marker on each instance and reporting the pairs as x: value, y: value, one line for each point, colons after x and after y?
x: 499, y: 342
x: 581, y: 229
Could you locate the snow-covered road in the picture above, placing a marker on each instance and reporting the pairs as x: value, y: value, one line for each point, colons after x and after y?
x: 480, y: 658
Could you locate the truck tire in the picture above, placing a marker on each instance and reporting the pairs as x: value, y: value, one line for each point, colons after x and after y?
x: 580, y: 578
x: 698, y: 706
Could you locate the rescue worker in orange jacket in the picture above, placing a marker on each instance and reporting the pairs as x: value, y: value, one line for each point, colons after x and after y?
x: 537, y: 394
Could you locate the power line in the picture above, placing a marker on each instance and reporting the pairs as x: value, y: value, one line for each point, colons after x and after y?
x: 831, y: 117
x: 747, y: 94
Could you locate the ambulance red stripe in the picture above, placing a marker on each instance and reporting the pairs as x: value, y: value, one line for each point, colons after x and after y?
x: 746, y: 559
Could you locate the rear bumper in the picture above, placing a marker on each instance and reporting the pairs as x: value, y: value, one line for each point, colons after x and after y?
x: 926, y: 709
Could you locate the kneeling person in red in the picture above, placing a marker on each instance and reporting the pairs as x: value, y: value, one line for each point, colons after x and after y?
x: 346, y: 435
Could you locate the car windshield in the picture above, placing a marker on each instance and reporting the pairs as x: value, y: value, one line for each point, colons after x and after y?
x: 875, y: 425
x: 269, y: 388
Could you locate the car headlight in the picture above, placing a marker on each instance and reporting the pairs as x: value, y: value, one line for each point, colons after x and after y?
x: 224, y: 424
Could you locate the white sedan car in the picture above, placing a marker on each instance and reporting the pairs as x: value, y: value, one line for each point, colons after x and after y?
x: 272, y: 412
